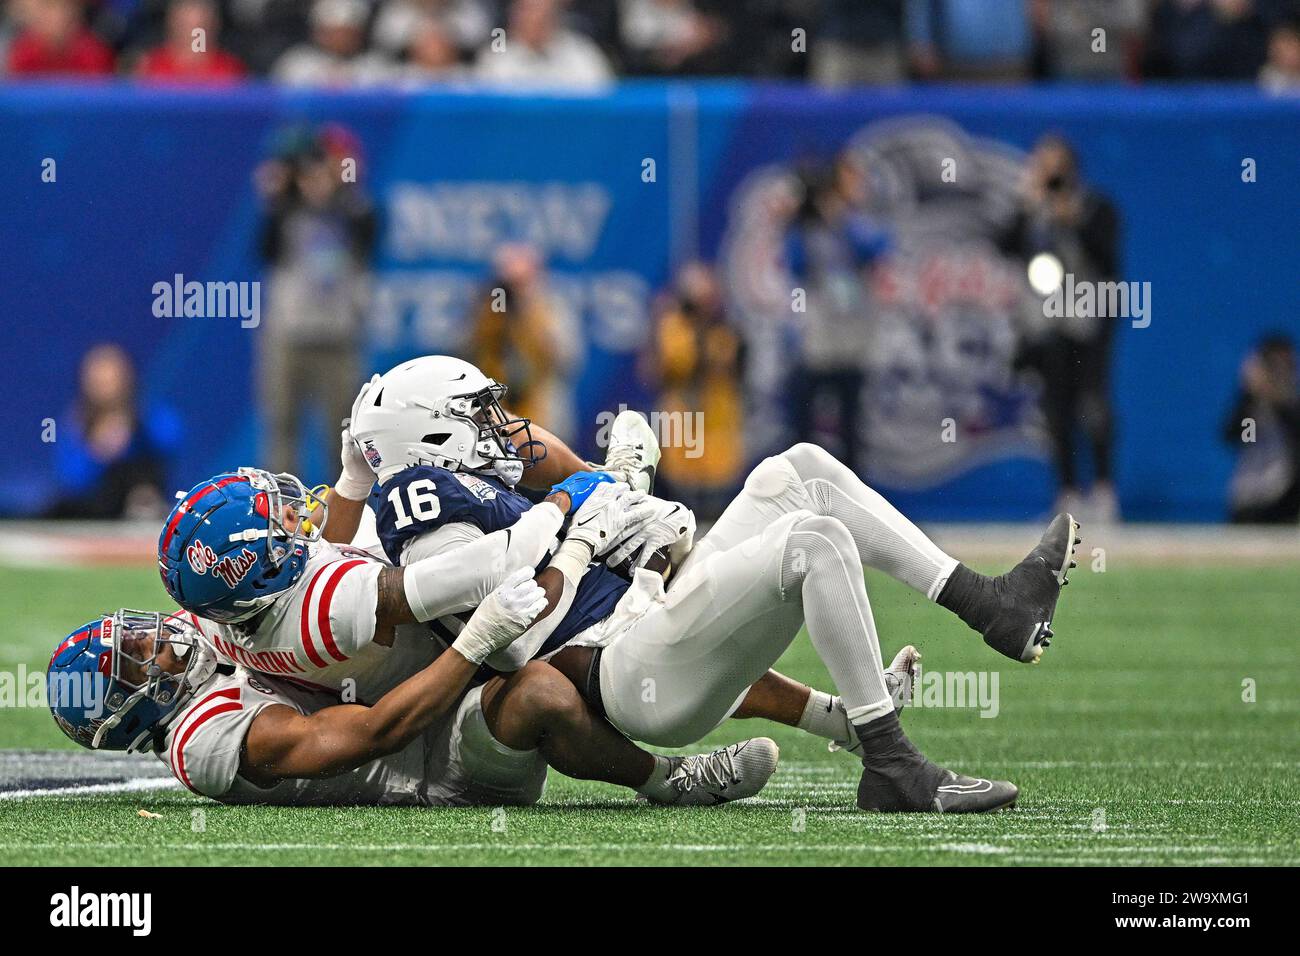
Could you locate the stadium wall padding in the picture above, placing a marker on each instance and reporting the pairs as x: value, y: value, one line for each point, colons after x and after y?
x: 155, y: 183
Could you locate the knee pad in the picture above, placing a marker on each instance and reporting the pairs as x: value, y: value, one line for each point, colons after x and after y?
x: 771, y: 477
x: 809, y: 460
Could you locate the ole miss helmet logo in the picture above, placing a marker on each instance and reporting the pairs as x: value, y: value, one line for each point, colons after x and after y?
x: 200, y: 557
x: 234, y: 569
x: 231, y: 569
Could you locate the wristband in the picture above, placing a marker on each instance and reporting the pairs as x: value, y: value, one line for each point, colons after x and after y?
x: 571, y: 559
x: 354, y: 489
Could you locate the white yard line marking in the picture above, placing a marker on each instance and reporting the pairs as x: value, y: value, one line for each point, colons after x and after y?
x: 1224, y: 854
x: 139, y: 785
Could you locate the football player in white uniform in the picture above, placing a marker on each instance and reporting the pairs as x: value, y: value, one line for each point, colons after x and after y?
x: 272, y: 596
x: 240, y: 737
x: 668, y: 665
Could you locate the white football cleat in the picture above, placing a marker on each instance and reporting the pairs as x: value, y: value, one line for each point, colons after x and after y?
x: 633, y: 453
x: 729, y: 773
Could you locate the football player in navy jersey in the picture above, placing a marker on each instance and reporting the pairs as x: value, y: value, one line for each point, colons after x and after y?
x: 666, y: 666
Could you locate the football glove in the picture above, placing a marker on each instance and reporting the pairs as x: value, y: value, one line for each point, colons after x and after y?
x: 356, y: 479
x: 504, y: 615
x: 672, y: 527
x: 610, y: 513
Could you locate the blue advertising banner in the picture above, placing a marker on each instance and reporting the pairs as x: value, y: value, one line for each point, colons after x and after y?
x: 151, y: 185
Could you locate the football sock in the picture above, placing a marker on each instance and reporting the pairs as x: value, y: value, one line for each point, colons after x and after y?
x: 896, y: 776
x: 885, y: 539
x: 656, y: 787
x: 821, y: 565
x: 824, y: 716
x: 973, y: 597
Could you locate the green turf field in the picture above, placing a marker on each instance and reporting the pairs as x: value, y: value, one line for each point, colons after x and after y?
x: 1131, y: 745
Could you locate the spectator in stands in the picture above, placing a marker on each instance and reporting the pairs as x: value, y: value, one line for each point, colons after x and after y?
x: 465, y: 23
x: 191, y: 51
x: 830, y: 249
x: 539, y: 51
x: 259, y: 32
x: 1264, y: 426
x: 318, y: 237
x: 859, y: 43
x: 54, y: 41
x: 1061, y: 216
x: 1281, y: 74
x: 972, y: 40
x: 664, y: 37
x: 696, y: 366
x: 525, y: 335
x: 1067, y: 47
x: 111, y: 455
x: 431, y: 55
x: 1209, y: 39
x: 336, y: 54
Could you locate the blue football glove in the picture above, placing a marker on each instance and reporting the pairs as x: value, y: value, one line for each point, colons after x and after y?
x: 578, y: 487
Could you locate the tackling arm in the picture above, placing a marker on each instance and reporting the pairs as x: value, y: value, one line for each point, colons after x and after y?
x: 283, y: 743
x: 442, y: 584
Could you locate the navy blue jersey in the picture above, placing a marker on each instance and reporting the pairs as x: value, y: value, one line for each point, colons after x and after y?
x: 423, y: 498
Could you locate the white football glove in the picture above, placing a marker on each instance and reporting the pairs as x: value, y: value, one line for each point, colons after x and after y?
x: 608, y: 516
x: 504, y: 615
x: 356, y: 479
x: 673, y: 527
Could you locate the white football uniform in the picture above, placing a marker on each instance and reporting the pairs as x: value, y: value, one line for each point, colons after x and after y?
x: 322, y: 631
x: 456, y: 762
x: 788, y: 551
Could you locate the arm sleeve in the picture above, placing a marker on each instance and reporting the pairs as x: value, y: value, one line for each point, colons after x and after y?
x: 337, y: 615
x: 447, y: 583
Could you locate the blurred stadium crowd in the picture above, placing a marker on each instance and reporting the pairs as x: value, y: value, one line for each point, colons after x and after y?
x: 587, y: 43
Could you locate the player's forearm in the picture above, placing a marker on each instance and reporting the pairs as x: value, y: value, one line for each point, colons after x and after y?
x: 560, y: 462
x: 344, y: 518
x: 560, y: 592
x: 341, y: 739
x: 414, y: 705
x: 459, y: 580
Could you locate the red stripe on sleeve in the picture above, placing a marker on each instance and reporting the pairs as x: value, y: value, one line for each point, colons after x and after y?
x: 323, y: 609
x: 189, y: 732
x: 180, y: 736
x: 304, y: 623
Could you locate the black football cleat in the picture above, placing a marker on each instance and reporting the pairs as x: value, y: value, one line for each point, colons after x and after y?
x: 1021, y: 625
x: 898, y: 778
x: 962, y: 794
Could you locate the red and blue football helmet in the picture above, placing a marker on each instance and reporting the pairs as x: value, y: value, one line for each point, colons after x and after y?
x: 106, y: 687
x: 237, y: 541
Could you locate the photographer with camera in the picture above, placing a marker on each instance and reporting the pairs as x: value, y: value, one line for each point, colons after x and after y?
x: 1065, y: 219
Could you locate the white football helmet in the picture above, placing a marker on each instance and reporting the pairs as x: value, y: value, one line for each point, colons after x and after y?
x: 439, y: 410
